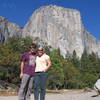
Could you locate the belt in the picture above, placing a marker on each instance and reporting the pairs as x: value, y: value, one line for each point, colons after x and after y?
x: 39, y: 72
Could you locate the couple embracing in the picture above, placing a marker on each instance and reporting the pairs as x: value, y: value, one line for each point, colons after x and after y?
x: 34, y: 67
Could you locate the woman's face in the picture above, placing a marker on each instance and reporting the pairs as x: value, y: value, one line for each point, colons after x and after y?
x: 40, y: 52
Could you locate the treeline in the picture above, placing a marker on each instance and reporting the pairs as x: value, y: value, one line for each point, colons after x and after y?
x: 68, y: 73
x: 72, y: 72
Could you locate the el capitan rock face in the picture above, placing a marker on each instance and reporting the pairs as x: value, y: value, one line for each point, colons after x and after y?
x: 58, y: 27
x: 61, y: 28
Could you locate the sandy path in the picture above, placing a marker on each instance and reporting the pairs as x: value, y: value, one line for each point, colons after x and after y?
x: 61, y: 96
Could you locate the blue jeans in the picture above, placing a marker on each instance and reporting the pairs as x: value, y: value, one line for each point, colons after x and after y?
x: 40, y: 85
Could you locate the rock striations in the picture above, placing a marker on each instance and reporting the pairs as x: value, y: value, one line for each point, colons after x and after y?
x: 8, y: 29
x: 58, y: 27
x: 61, y: 28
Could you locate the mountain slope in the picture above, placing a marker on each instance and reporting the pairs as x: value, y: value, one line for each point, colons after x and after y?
x: 61, y: 28
x: 8, y: 29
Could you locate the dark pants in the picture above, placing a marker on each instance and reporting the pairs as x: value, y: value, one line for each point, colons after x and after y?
x: 26, y: 87
x: 40, y: 85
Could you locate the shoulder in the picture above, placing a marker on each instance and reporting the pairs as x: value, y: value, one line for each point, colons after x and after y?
x: 35, y: 55
x: 24, y: 54
x: 46, y: 56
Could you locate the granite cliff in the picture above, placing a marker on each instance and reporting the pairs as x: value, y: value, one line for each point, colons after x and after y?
x: 61, y: 28
x: 8, y: 29
x: 58, y: 27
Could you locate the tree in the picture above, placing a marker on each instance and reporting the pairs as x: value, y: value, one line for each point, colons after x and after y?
x: 56, y: 78
x: 75, y: 60
x: 84, y: 62
x: 9, y: 63
x: 20, y: 45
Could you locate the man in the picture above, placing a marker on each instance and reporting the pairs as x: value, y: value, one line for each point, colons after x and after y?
x: 43, y: 63
x: 27, y: 73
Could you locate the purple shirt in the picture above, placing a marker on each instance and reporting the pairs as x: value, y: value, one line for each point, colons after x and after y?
x: 29, y: 63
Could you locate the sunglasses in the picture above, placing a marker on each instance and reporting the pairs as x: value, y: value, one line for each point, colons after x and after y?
x: 40, y: 50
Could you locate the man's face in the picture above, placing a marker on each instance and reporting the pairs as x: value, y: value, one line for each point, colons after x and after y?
x: 32, y: 50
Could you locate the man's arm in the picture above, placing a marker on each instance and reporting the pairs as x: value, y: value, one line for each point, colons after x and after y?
x: 22, y: 67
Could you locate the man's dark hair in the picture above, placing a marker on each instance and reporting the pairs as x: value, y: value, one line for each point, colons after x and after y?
x: 33, y: 45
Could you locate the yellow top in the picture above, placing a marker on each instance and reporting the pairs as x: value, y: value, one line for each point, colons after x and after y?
x: 41, y: 63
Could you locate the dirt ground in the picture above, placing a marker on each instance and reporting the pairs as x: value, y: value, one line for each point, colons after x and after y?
x: 62, y: 95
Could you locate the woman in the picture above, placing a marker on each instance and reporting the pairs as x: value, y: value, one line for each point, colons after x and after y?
x: 43, y: 63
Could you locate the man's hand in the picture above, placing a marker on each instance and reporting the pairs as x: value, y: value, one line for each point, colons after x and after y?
x: 21, y: 75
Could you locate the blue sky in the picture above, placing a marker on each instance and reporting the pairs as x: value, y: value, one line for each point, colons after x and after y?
x: 19, y: 11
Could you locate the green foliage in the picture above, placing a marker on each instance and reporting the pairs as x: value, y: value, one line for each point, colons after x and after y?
x: 7, y: 57
x: 72, y: 77
x: 75, y: 60
x: 10, y: 53
x: 56, y: 78
x: 89, y: 79
x: 19, y: 44
x: 68, y: 73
